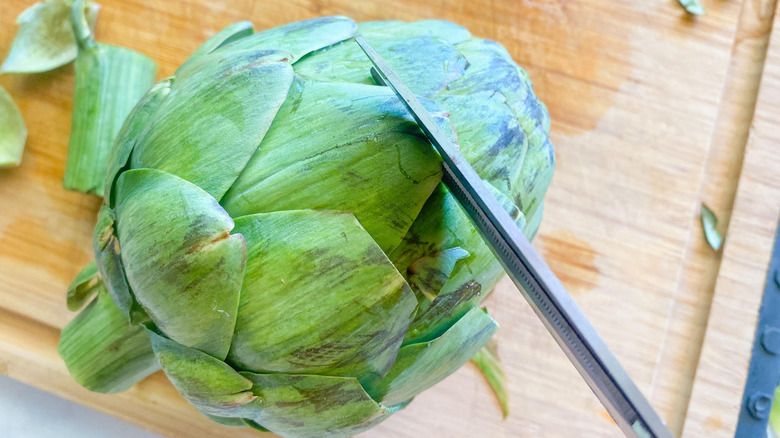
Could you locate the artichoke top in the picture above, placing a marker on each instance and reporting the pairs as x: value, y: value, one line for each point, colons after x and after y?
x: 275, y: 235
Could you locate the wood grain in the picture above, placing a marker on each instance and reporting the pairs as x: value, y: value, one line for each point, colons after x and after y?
x: 636, y: 94
x: 725, y: 356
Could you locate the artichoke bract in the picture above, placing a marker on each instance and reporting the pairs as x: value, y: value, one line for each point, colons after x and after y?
x: 275, y: 235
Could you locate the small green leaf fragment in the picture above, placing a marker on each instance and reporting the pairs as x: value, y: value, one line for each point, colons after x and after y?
x: 693, y: 7
x: 45, y: 39
x: 709, y: 222
x: 86, y: 284
x: 13, y: 133
x: 488, y: 362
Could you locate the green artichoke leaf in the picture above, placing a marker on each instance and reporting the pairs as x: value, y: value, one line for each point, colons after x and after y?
x: 445, y: 30
x: 181, y: 263
x: 422, y: 365
x: 13, y: 133
x: 533, y: 222
x: 693, y: 7
x: 231, y: 33
x: 491, y: 72
x: 137, y: 122
x: 442, y: 225
x: 226, y: 99
x: 708, y: 222
x: 254, y: 425
x: 86, y: 284
x: 102, y: 351
x: 319, y: 296
x: 349, y: 139
x: 488, y: 362
x: 298, y: 39
x: 345, y: 62
x: 209, y: 384
x: 112, y: 272
x: 110, y: 80
x: 305, y: 405
x: 490, y: 138
x: 428, y: 274
x: 45, y: 39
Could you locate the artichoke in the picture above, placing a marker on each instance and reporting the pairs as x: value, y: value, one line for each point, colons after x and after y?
x: 275, y: 236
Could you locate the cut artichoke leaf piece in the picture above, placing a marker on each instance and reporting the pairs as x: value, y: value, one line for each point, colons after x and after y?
x: 45, y: 39
x: 303, y: 406
x: 709, y: 223
x: 227, y: 99
x: 181, y: 263
x: 488, y: 362
x: 440, y: 61
x: 693, y: 7
x: 254, y: 425
x: 112, y: 273
x: 231, y: 33
x: 357, y: 139
x: 110, y: 81
x: 102, y: 351
x: 13, y: 133
x: 298, y: 39
x: 428, y: 274
x: 86, y: 284
x: 337, y: 307
x: 420, y: 366
x: 208, y: 383
x: 136, y: 123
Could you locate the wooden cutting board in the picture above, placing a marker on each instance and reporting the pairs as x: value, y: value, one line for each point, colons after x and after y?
x: 651, y: 111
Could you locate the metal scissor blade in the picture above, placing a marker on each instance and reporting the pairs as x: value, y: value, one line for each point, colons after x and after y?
x: 543, y: 291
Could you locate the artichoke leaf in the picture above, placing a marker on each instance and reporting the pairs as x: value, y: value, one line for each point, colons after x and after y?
x: 491, y: 73
x: 227, y: 99
x: 181, y: 263
x: 440, y: 61
x: 305, y: 405
x: 231, y: 33
x: 298, y: 39
x: 45, y: 39
x: 428, y: 274
x: 102, y: 351
x: 208, y: 383
x: 319, y: 296
x: 110, y: 81
x: 137, y: 122
x: 13, y: 133
x: 86, y: 284
x: 489, y: 364
x: 353, y: 139
x: 443, y: 224
x: 112, y: 272
x: 693, y: 7
x: 422, y: 365
x: 708, y: 222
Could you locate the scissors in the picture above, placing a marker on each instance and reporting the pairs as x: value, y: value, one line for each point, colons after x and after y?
x: 541, y: 288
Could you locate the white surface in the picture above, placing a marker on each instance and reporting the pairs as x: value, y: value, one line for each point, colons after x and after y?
x: 27, y: 412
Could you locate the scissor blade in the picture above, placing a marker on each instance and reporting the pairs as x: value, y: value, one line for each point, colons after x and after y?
x: 541, y: 288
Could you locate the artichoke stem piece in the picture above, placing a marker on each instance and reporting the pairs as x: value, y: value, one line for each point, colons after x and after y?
x: 110, y: 81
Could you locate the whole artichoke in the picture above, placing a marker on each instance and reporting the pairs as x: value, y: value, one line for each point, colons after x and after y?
x: 275, y: 235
